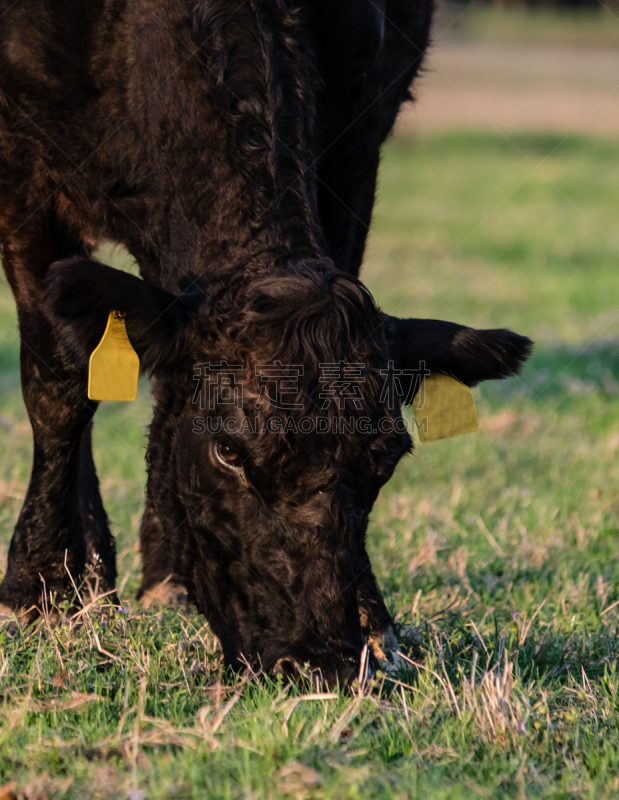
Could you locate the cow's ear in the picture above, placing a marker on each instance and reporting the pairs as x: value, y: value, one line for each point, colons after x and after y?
x: 427, y: 346
x: 80, y: 294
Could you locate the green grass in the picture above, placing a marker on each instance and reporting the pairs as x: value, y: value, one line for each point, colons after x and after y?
x: 545, y: 26
x: 497, y: 552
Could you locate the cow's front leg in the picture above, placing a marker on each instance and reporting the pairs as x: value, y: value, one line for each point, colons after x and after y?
x: 48, y: 546
x: 100, y: 544
x: 376, y: 621
x: 160, y: 584
x: 48, y: 551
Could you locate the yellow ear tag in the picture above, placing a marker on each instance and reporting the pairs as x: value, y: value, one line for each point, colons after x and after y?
x: 444, y: 407
x: 114, y: 365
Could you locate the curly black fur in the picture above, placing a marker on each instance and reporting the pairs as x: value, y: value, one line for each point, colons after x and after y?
x: 233, y: 149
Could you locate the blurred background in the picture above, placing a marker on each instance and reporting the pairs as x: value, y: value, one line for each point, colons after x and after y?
x: 498, y: 193
x: 521, y: 66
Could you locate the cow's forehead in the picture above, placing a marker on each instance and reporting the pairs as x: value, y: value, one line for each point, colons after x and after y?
x: 335, y: 386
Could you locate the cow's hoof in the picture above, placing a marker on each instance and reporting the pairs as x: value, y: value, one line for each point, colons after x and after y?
x: 10, y: 621
x: 165, y: 593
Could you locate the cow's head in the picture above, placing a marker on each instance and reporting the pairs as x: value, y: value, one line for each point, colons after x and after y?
x: 275, y: 427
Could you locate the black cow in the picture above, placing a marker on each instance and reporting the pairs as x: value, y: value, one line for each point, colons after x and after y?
x: 232, y: 146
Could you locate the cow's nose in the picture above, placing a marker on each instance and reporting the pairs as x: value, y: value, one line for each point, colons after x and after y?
x: 288, y: 668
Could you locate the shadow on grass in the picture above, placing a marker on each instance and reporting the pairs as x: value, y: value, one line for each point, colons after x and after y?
x: 556, y: 621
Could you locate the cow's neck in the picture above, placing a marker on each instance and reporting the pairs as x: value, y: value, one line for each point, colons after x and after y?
x: 239, y: 187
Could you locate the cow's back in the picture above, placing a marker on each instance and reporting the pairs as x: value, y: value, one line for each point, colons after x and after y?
x: 60, y: 68
x: 106, y: 105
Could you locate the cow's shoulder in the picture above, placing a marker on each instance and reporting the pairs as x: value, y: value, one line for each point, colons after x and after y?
x: 407, y: 37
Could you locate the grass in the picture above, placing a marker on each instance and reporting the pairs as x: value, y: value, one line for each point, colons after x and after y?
x: 595, y: 27
x: 497, y: 552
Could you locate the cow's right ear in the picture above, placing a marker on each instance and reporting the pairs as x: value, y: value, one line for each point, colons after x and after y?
x: 429, y: 346
x: 80, y: 294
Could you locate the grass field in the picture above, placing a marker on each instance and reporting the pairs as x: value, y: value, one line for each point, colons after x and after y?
x: 497, y: 552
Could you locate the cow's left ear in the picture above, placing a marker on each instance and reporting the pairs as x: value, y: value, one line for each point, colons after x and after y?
x: 428, y: 346
x: 80, y: 294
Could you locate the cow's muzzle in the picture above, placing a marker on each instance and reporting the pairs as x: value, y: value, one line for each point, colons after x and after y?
x: 322, y: 673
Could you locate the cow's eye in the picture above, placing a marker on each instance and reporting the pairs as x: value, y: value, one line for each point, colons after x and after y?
x: 227, y: 455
